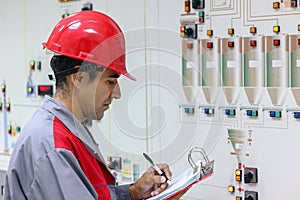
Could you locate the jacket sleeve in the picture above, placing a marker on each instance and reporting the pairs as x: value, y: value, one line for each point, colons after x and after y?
x: 120, y: 192
x: 56, y: 176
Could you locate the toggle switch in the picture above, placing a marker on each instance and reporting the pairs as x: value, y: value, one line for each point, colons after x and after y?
x: 250, y: 175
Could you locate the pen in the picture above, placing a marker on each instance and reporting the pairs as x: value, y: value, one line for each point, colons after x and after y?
x: 161, y: 173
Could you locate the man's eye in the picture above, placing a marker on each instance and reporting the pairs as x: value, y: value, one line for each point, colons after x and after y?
x: 111, y: 81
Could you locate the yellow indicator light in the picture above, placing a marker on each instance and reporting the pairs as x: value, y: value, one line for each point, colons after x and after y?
x: 230, y: 31
x: 298, y: 27
x: 238, y: 175
x: 253, y: 30
x: 238, y: 198
x: 209, y: 32
x: 276, y: 29
x: 276, y: 5
x: 231, y: 188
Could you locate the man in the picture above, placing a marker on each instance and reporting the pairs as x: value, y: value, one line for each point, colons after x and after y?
x: 56, y: 156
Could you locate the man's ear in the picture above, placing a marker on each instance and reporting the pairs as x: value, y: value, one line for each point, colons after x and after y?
x: 78, y: 79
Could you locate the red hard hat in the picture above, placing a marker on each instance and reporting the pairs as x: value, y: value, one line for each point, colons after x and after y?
x: 90, y: 36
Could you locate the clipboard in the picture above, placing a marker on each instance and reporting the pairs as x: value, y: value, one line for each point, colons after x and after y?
x: 198, y: 171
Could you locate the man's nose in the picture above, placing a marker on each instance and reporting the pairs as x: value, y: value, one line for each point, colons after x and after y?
x: 116, y: 92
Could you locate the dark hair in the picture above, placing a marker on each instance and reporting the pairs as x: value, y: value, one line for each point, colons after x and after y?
x: 61, y: 63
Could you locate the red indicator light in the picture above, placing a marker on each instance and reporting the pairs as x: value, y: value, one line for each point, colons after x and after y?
x: 253, y: 43
x: 231, y: 44
x: 187, y: 6
x: 298, y: 41
x: 45, y: 90
x: 276, y: 43
x: 210, y: 45
x: 189, y: 45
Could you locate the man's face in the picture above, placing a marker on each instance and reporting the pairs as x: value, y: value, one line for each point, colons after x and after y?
x: 97, y: 95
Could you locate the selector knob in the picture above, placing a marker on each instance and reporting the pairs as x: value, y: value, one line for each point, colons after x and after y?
x: 189, y: 32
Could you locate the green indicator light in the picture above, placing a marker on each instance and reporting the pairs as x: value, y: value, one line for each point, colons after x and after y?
x: 277, y: 114
x: 30, y: 89
x: 211, y: 111
x: 201, y: 14
x: 253, y: 113
x: 231, y: 112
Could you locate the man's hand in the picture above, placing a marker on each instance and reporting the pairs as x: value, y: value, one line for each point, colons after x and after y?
x: 150, y: 183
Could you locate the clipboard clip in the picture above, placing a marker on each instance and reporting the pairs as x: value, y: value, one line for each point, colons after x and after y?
x: 204, y: 163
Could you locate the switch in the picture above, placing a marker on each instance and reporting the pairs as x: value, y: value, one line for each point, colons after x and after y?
x: 230, y: 31
x: 189, y: 110
x: 238, y: 175
x: 210, y: 33
x: 191, y: 31
x: 201, y: 16
x: 275, y: 114
x: 198, y: 4
x: 250, y: 175
x: 230, y: 112
x: 251, y: 195
x: 252, y: 113
x: 253, y: 43
x: 253, y: 30
x: 210, y: 45
x: 276, y: 43
x: 276, y: 29
x: 87, y: 6
x: 231, y: 44
x: 276, y: 5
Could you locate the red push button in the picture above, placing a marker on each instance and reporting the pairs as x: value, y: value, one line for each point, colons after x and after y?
x: 276, y: 43
x: 210, y: 45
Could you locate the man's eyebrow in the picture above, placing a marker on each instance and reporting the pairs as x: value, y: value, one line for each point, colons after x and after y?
x: 115, y: 75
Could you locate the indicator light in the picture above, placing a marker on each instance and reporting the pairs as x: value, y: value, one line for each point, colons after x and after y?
x: 39, y: 65
x: 182, y: 31
x: 66, y: 14
x: 189, y: 110
x: 253, y: 43
x: 230, y: 31
x: 298, y: 41
x: 209, y: 111
x: 30, y: 90
x: 253, y: 30
x: 0, y: 106
x: 252, y: 113
x: 3, y: 88
x: 276, y: 29
x: 298, y: 27
x: 293, y: 3
x: 9, y: 129
x: 32, y: 64
x: 189, y: 45
x: 297, y: 115
x: 209, y: 32
x: 45, y: 90
x: 231, y: 188
x: 187, y: 6
x: 275, y: 114
x: 8, y: 106
x: 210, y: 45
x: 276, y: 5
x: 238, y: 175
x: 230, y: 44
x: 201, y: 16
x: 18, y: 129
x: 276, y: 43
x: 229, y: 112
x: 238, y: 198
